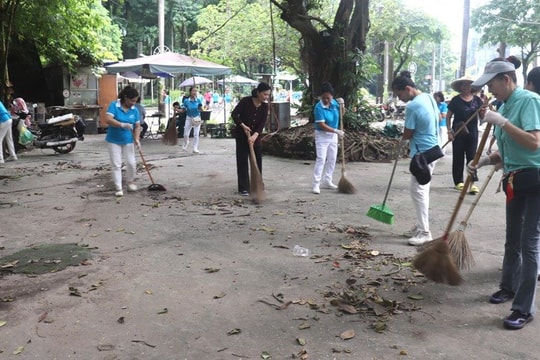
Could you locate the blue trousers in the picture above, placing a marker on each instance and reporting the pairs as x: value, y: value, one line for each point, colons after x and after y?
x: 520, y: 263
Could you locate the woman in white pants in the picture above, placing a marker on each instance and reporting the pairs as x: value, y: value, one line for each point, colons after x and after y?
x: 123, y: 131
x: 6, y: 133
x: 326, y: 138
x: 193, y: 107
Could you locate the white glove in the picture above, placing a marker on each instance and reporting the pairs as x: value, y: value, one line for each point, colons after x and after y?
x: 471, y: 170
x: 340, y: 101
x: 126, y: 126
x: 339, y: 133
x: 494, y: 118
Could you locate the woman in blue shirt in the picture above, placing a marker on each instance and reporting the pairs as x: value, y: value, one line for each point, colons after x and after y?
x: 6, y: 133
x: 327, y: 131
x: 421, y: 129
x: 517, y: 130
x: 443, y: 109
x: 192, y: 107
x: 124, y: 129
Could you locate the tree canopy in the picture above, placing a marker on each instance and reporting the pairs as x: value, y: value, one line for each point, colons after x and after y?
x: 516, y: 23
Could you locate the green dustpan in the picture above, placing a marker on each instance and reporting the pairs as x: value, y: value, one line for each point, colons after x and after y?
x: 381, y: 212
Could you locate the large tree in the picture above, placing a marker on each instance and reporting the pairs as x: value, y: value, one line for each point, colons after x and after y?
x: 67, y: 32
x: 516, y: 23
x: 330, y: 51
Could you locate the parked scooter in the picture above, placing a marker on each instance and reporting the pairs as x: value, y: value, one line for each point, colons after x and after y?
x: 57, y: 133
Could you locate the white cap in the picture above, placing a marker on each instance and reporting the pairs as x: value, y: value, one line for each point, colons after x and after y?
x: 492, y: 69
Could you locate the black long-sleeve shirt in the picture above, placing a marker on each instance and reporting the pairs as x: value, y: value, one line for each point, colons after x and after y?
x: 253, y: 117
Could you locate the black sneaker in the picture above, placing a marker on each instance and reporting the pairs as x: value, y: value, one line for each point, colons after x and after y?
x: 501, y: 296
x: 244, y: 193
x: 517, y: 320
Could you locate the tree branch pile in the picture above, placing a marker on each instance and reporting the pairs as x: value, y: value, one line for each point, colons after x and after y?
x: 299, y: 143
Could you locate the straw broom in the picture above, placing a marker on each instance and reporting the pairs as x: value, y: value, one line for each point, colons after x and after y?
x: 170, y: 137
x: 457, y: 240
x: 256, y: 183
x: 435, y: 261
x: 344, y: 185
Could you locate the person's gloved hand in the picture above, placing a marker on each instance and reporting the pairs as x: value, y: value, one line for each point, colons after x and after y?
x: 340, y: 101
x: 471, y: 169
x: 126, y: 126
x: 339, y: 133
x: 494, y: 118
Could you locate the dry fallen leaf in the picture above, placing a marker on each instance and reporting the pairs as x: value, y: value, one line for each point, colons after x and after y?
x: 234, y: 331
x: 2, y: 323
x: 347, y: 334
x: 148, y: 292
x: 18, y: 350
x: 163, y: 311
x: 211, y: 270
x: 304, y: 325
x: 220, y: 295
x: 301, y: 342
x: 266, y: 355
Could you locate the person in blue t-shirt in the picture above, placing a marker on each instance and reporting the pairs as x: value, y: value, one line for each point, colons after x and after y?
x: 6, y: 133
x: 443, y: 109
x: 123, y: 131
x: 192, y: 106
x: 327, y: 131
x: 421, y: 129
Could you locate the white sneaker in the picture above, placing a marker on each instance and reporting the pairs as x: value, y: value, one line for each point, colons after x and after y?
x: 11, y: 158
x: 195, y: 151
x: 412, y: 232
x: 184, y: 147
x: 316, y: 189
x: 329, y: 185
x: 420, y: 238
x: 132, y: 187
x: 119, y: 193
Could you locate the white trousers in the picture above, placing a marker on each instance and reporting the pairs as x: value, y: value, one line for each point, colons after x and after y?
x: 6, y: 134
x: 326, y: 146
x: 443, y: 137
x: 187, y: 130
x: 420, y: 198
x: 115, y: 153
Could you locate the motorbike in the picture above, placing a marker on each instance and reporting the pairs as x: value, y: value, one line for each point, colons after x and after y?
x: 56, y: 133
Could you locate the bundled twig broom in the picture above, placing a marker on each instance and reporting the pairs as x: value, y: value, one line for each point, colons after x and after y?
x: 464, y: 259
x: 435, y: 261
x: 344, y: 185
x: 170, y: 137
x: 256, y: 183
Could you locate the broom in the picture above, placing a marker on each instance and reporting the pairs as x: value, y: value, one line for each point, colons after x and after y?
x: 381, y: 212
x: 256, y: 186
x: 456, y: 240
x: 435, y: 261
x: 170, y: 137
x: 344, y: 185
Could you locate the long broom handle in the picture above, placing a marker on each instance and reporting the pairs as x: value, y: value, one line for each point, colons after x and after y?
x: 463, y: 126
x: 393, y: 172
x: 145, y: 166
x: 479, y: 152
x: 342, y: 139
x: 478, y: 196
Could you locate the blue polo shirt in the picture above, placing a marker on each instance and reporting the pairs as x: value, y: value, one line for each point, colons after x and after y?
x: 192, y: 107
x: 117, y: 135
x: 522, y: 109
x: 422, y: 116
x: 4, y: 114
x: 327, y: 114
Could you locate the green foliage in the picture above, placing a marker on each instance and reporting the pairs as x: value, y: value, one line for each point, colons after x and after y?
x: 238, y: 33
x: 515, y: 23
x: 364, y: 115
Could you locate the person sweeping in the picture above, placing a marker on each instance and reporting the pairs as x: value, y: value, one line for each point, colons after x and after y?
x: 517, y: 130
x: 421, y: 129
x: 327, y: 131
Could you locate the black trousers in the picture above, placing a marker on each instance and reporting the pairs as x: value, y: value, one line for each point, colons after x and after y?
x: 463, y: 147
x: 242, y: 160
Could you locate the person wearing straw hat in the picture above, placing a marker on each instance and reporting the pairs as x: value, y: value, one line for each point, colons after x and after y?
x: 421, y: 129
x: 517, y: 129
x: 464, y: 144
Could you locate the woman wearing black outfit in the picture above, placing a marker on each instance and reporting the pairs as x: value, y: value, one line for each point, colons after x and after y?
x: 249, y: 116
x: 464, y: 144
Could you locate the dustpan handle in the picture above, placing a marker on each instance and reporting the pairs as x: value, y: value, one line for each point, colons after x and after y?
x: 393, y: 172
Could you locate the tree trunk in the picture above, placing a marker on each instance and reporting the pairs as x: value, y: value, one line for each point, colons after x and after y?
x: 465, y: 36
x: 331, y: 54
